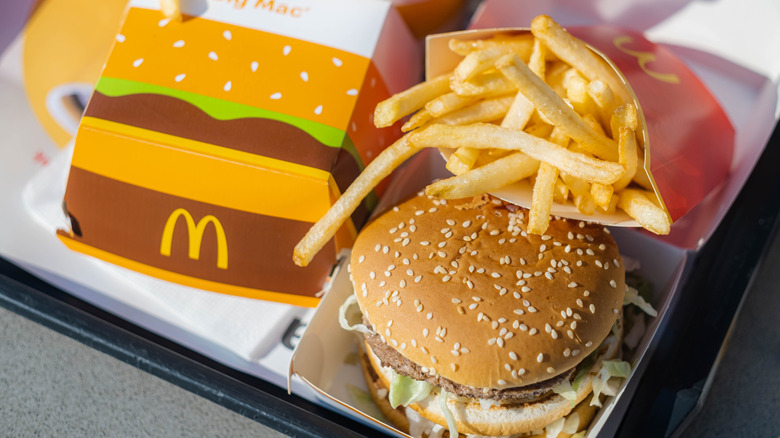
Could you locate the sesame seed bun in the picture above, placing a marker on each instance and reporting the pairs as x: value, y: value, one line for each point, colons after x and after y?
x: 459, y: 288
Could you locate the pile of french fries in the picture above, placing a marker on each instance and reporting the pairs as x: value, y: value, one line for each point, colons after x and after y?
x: 538, y: 106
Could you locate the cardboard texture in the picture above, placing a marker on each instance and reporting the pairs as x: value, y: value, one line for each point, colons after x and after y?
x: 211, y: 145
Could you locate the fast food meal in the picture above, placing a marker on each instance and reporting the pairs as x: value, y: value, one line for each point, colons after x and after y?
x: 538, y: 106
x: 473, y: 325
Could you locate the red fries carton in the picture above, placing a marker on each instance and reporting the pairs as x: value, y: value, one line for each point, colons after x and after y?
x: 687, y: 138
x: 212, y: 143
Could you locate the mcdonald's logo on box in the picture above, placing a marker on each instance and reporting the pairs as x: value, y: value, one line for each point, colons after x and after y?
x: 211, y: 145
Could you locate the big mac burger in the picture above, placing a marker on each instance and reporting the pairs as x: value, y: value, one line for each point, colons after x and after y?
x: 470, y: 325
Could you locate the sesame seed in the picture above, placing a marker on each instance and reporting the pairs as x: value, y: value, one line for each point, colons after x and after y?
x: 448, y: 235
x: 469, y: 284
x: 501, y: 382
x: 382, y: 283
x: 385, y: 249
x: 575, y: 352
x: 589, y: 252
x: 599, y: 264
x: 425, y: 243
x: 559, y: 324
x: 409, y: 272
x: 572, y: 284
x: 540, y: 358
x: 547, y: 328
x: 495, y: 275
x: 494, y: 233
x: 418, y: 278
x: 563, y: 314
x: 518, y: 312
x: 455, y: 352
x: 372, y: 275
x: 402, y: 284
x: 589, y: 343
x: 433, y: 210
x: 466, y: 224
x: 554, y: 334
x: 361, y: 259
x: 419, y: 212
x: 405, y: 242
x: 441, y: 244
x: 508, y: 367
x: 433, y: 359
x: 429, y: 315
x: 461, y: 310
x: 406, y: 262
x: 525, y: 289
x: 521, y: 371
x: 442, y: 254
x: 501, y: 241
x: 592, y: 308
x: 473, y: 306
x: 550, y: 370
x: 394, y: 342
x: 573, y: 325
x: 586, y: 293
x: 579, y: 302
x: 513, y: 355
x: 567, y: 352
x: 491, y: 341
x: 451, y: 222
x: 387, y: 332
x: 533, y: 331
x: 523, y: 327
x: 425, y: 332
x: 413, y: 228
x: 405, y: 234
x: 613, y: 284
x: 494, y: 325
x: 453, y: 367
x: 542, y: 248
x: 377, y: 247
x: 414, y: 343
x: 532, y: 309
x: 548, y: 275
x: 446, y: 278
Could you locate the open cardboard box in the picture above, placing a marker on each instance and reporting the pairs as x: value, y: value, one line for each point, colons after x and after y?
x: 746, y: 88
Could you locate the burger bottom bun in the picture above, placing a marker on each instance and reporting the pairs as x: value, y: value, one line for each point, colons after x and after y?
x: 512, y: 420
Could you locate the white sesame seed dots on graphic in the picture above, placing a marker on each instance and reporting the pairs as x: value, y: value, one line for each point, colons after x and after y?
x: 276, y: 96
x: 286, y: 50
x: 337, y: 62
x: 213, y: 56
x: 178, y: 44
x: 352, y: 92
x: 163, y: 22
x: 138, y: 62
x: 228, y: 35
x: 120, y: 38
x: 228, y: 85
x: 180, y: 77
x: 305, y: 76
x: 318, y: 110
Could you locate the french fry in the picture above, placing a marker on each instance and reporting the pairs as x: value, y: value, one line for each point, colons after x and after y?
x: 478, y: 61
x: 576, y: 53
x: 520, y: 44
x: 462, y: 160
x: 322, y: 231
x: 171, y: 9
x: 406, y: 102
x: 623, y: 116
x: 602, y: 194
x: 650, y: 216
x: 604, y: 98
x: 555, y: 109
x: 580, y: 191
x: 447, y: 103
x: 499, y: 173
x: 561, y: 192
x: 519, y: 113
x: 486, y: 110
x: 537, y: 62
x: 485, y: 136
x: 542, y: 199
x: 612, y: 207
x: 418, y: 119
x: 577, y: 93
x: 488, y: 83
x: 628, y: 157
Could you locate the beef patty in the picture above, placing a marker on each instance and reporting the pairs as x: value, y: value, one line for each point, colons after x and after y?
x: 389, y: 357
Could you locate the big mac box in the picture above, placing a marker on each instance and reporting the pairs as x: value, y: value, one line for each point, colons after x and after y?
x: 471, y: 321
x: 211, y: 143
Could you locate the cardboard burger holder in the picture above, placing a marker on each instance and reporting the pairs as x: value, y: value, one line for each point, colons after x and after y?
x: 688, y: 146
x: 210, y: 145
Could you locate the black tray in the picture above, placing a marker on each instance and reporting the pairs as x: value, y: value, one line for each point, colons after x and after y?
x: 724, y: 268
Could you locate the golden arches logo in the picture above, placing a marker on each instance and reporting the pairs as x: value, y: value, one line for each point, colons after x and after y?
x: 195, y: 233
x: 644, y: 58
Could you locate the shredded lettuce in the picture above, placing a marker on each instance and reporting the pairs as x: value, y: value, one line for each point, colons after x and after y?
x: 633, y: 297
x: 405, y: 390
x: 583, y: 369
x: 572, y: 423
x: 350, y: 310
x: 445, y: 410
x: 609, y: 368
x: 555, y: 428
x: 565, y: 390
